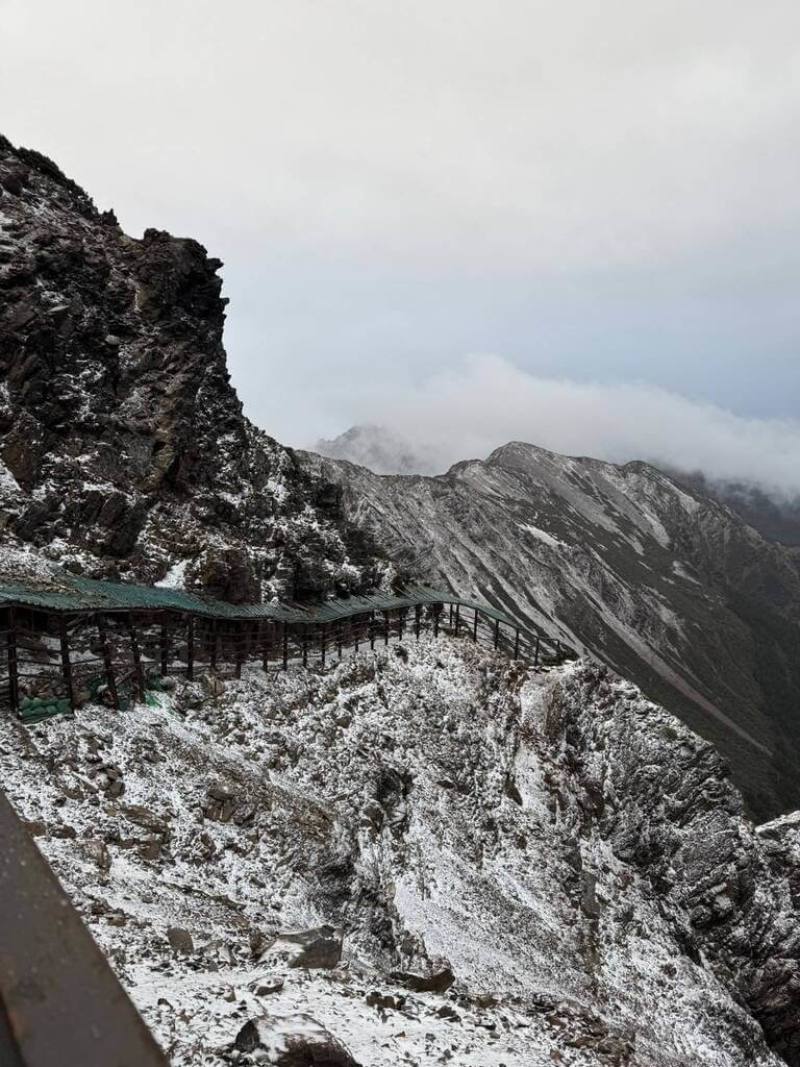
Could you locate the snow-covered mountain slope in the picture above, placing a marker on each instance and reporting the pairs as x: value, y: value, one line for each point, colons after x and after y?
x: 123, y: 449
x: 665, y: 585
x: 576, y: 857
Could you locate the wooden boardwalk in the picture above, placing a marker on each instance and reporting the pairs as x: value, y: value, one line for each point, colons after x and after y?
x: 65, y: 644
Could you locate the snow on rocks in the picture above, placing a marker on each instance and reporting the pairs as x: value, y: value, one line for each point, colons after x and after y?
x: 435, y: 857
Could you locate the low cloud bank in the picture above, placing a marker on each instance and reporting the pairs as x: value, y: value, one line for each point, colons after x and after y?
x: 488, y: 402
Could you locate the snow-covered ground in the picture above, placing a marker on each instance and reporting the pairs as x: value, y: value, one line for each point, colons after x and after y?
x: 433, y: 805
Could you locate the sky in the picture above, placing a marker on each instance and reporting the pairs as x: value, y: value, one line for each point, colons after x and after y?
x: 580, y: 199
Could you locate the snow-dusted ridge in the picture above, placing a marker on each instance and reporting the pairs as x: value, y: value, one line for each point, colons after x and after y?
x: 573, y: 853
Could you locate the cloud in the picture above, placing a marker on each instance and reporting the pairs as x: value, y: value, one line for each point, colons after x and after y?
x: 464, y: 414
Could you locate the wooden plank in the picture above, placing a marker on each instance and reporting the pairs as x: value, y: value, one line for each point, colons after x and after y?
x: 60, y: 1003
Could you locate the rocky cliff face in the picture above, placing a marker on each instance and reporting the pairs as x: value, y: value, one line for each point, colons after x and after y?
x: 667, y: 586
x: 425, y: 856
x: 124, y: 450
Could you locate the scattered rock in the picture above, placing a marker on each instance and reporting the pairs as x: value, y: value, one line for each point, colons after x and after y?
x: 180, y: 940
x: 320, y: 947
x: 293, y: 1041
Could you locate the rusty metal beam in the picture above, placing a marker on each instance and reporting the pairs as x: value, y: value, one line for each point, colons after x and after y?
x: 60, y: 1002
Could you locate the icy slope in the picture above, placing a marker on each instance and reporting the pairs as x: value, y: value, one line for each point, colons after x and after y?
x: 572, y: 853
x: 663, y: 584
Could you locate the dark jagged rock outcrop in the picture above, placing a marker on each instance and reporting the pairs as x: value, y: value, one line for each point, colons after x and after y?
x: 124, y: 447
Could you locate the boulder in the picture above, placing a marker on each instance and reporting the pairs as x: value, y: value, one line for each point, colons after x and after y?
x: 292, y: 1041
x: 181, y: 941
x: 319, y: 947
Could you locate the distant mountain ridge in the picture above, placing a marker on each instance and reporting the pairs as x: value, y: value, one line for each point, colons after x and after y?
x: 661, y: 582
x: 385, y: 451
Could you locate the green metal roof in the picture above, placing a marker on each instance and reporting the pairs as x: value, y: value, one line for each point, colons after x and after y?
x: 68, y: 592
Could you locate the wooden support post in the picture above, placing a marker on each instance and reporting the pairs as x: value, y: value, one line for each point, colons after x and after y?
x: 372, y: 630
x: 450, y: 620
x: 164, y: 646
x: 322, y: 636
x: 536, y: 652
x: 401, y: 615
x: 111, y: 681
x: 417, y: 619
x: 458, y: 617
x: 212, y: 659
x: 339, y: 628
x: 305, y: 645
x: 13, y: 669
x: 137, y: 659
x: 66, y: 666
x: 386, y: 627
x: 437, y: 610
x: 475, y: 627
x: 497, y: 633
x: 516, y: 642
x: 354, y: 627
x: 239, y: 646
x: 285, y: 647
x: 190, y: 647
x: 265, y: 632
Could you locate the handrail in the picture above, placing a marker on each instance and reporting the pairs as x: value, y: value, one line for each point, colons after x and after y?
x: 60, y: 1002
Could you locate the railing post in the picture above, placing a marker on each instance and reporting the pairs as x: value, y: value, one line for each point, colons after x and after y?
x: 339, y: 626
x: 13, y: 669
x: 322, y: 636
x: 137, y: 659
x: 458, y: 617
x: 265, y: 633
x: 66, y: 666
x: 285, y: 646
x: 212, y: 659
x: 107, y: 661
x: 437, y: 610
x: 417, y: 619
x: 401, y: 615
x: 386, y: 627
x: 190, y: 647
x: 164, y: 646
x: 475, y: 627
x: 305, y: 645
x: 372, y: 630
x: 354, y: 634
x: 536, y: 652
x: 240, y: 642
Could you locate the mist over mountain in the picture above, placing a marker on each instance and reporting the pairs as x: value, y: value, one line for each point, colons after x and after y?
x: 430, y: 853
x: 774, y: 513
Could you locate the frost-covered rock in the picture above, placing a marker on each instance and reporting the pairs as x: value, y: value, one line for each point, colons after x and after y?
x: 553, y: 870
x: 123, y: 448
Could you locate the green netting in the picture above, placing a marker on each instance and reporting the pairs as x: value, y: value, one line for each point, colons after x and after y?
x: 72, y: 593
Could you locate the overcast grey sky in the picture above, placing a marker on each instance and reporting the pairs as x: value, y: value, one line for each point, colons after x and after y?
x: 604, y: 193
